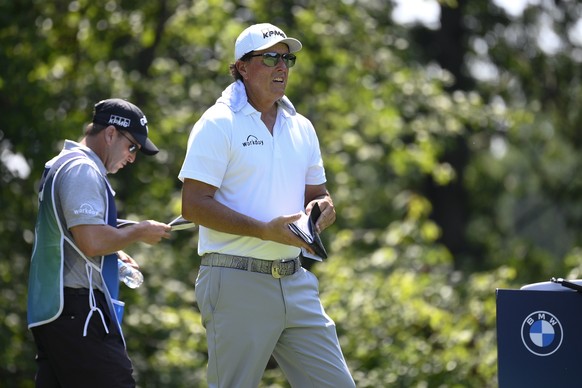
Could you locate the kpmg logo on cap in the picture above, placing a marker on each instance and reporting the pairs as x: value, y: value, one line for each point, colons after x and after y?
x: 541, y: 333
x: 118, y: 120
x: 267, y: 33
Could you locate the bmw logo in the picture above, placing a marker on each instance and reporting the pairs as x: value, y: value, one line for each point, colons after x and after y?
x: 541, y: 333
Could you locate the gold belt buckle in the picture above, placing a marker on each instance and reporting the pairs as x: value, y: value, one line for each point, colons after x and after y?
x: 276, y: 267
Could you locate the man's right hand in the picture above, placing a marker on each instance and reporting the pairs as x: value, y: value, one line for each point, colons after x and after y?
x: 152, y: 232
x: 278, y: 230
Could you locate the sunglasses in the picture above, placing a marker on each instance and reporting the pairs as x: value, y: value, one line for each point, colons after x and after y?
x: 133, y: 147
x: 271, y: 59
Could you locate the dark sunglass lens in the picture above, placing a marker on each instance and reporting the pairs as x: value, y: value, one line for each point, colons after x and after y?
x: 271, y: 59
x: 289, y: 59
x: 133, y: 147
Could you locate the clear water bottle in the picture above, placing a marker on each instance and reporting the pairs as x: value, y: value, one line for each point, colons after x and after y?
x: 129, y: 275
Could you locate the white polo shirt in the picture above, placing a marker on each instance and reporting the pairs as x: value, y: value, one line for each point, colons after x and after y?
x: 256, y: 173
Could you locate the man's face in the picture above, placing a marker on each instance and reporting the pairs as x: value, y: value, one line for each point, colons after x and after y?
x: 268, y: 82
x: 123, y: 151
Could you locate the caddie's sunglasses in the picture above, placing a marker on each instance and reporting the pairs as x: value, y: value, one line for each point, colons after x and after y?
x: 133, y: 147
x: 271, y: 59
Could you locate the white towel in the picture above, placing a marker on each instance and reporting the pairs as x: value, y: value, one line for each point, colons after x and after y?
x: 235, y: 97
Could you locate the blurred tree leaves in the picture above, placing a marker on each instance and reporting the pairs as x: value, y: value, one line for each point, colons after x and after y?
x: 400, y: 127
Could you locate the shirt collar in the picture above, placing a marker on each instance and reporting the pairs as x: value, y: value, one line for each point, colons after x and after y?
x: 71, y: 145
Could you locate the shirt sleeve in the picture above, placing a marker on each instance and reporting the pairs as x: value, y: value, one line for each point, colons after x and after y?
x: 315, y: 172
x: 207, y: 154
x: 82, y: 192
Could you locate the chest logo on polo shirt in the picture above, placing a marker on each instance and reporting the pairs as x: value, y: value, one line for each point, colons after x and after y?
x: 252, y: 141
x: 86, y: 209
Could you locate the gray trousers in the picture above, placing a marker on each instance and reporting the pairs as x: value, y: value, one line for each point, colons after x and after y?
x: 249, y: 316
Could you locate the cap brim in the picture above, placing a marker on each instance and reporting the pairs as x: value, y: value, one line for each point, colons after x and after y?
x: 293, y: 44
x: 147, y: 146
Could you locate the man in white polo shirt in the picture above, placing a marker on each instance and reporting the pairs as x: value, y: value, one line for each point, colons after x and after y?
x: 252, y: 166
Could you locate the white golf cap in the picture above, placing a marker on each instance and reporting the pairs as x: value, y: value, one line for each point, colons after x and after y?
x: 262, y: 36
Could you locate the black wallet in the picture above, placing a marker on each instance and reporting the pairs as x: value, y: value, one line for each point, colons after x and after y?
x: 305, y: 229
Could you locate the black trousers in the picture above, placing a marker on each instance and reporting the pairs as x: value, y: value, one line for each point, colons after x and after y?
x: 67, y: 359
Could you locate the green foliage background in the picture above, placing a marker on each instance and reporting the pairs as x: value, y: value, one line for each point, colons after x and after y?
x: 447, y: 184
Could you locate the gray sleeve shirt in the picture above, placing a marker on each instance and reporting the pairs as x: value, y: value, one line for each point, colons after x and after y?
x: 81, y: 194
